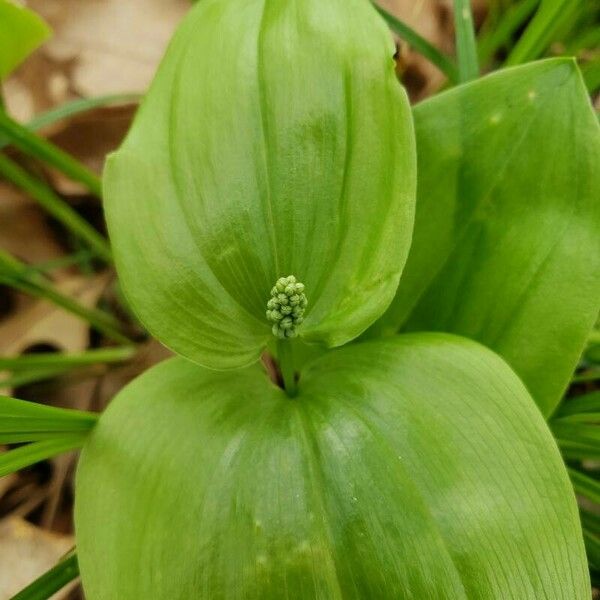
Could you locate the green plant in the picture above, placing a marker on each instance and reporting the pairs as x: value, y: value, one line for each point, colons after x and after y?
x: 264, y: 207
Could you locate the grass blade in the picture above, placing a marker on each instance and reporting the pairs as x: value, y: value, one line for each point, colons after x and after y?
x: 11, y: 274
x: 52, y: 581
x: 81, y: 105
x: 580, y: 406
x: 572, y: 450
x: 55, y: 359
x: 22, y: 421
x: 55, y: 205
x: 501, y: 33
x: 585, y: 485
x: 466, y: 45
x: 421, y: 45
x: 72, y: 109
x: 32, y: 376
x: 548, y: 20
x: 27, y: 455
x: 33, y: 145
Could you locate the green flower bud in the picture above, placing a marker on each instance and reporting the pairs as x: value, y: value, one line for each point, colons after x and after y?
x: 318, y: 180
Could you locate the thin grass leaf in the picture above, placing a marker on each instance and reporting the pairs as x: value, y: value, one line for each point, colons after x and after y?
x: 582, y: 405
x: 11, y: 274
x: 592, y: 548
x: 585, y: 485
x: 80, y: 258
x: 54, y: 359
x: 421, y: 45
x: 572, y: 450
x: 590, y: 521
x: 31, y: 376
x: 581, y: 433
x: 55, y: 205
x: 33, y: 145
x: 79, y: 106
x: 27, y: 455
x: 72, y: 109
x: 466, y: 44
x: 500, y: 34
x: 52, y: 581
x: 22, y: 421
x: 586, y: 376
x: 591, y: 75
x: 550, y: 17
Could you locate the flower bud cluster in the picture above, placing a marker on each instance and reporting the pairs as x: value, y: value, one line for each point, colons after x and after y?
x: 286, y: 307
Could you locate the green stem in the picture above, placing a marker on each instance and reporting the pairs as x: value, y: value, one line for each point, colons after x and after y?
x: 33, y: 145
x: 55, y: 205
x: 285, y: 355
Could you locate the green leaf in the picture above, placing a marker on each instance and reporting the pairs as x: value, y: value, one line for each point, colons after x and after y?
x: 21, y: 32
x: 499, y: 34
x: 75, y: 359
x: 22, y: 421
x: 55, y: 205
x: 52, y: 581
x: 585, y: 485
x: 16, y: 274
x: 416, y: 467
x: 27, y: 455
x: 466, y: 45
x: 420, y: 44
x: 506, y: 247
x: 297, y: 159
x: 34, y: 145
x: 583, y: 407
x: 548, y: 20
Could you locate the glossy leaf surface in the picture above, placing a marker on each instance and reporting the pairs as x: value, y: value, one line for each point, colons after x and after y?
x: 416, y: 467
x: 274, y: 141
x: 21, y: 32
x: 506, y: 247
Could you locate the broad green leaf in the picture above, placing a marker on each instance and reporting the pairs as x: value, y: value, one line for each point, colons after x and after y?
x: 21, y: 32
x: 274, y: 141
x: 506, y: 247
x: 415, y: 467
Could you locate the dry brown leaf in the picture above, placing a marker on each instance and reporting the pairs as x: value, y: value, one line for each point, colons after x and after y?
x: 41, y: 322
x: 26, y: 552
x: 115, y: 45
x: 24, y: 229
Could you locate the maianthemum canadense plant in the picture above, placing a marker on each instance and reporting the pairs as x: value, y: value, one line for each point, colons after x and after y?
x: 426, y: 281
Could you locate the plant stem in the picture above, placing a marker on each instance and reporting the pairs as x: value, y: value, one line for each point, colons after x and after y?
x: 285, y: 355
x: 33, y: 145
x: 56, y: 206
